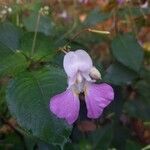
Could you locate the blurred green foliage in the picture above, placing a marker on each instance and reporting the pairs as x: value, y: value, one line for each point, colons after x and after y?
x: 31, y: 45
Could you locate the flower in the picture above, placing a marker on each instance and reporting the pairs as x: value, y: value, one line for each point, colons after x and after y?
x: 120, y: 1
x: 144, y: 5
x: 81, y: 77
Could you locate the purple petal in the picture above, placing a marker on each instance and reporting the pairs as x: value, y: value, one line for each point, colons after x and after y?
x: 98, y: 96
x: 120, y: 1
x: 65, y: 105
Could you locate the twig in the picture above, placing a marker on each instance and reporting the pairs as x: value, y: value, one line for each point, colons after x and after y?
x: 98, y: 31
x: 87, y: 30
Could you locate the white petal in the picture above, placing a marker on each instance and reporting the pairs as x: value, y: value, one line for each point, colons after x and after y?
x: 70, y: 64
x: 84, y: 61
x: 87, y: 77
x: 79, y: 78
x: 75, y: 63
x: 71, y: 81
x: 145, y: 5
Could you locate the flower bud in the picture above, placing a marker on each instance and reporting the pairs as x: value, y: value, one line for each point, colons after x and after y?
x: 46, y: 7
x: 9, y: 9
x: 95, y: 74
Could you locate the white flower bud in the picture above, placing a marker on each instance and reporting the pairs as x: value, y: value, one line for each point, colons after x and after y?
x: 95, y: 74
x: 46, y: 7
x: 9, y: 9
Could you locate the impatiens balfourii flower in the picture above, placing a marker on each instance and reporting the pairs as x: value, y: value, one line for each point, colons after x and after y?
x: 120, y: 1
x: 81, y: 77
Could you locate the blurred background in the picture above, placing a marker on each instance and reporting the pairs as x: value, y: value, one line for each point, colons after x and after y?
x: 33, y: 37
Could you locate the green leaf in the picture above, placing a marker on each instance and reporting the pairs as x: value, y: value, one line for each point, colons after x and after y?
x: 133, y: 145
x: 13, y: 65
x: 34, y: 6
x: 44, y: 46
x: 45, y: 23
x: 9, y: 35
x: 11, y: 141
x: 138, y: 109
x: 83, y: 145
x: 143, y: 87
x: 119, y: 75
x: 102, y: 137
x: 145, y: 74
x: 12, y: 62
x: 28, y: 98
x: 43, y: 146
x: 121, y: 134
x: 132, y: 11
x: 29, y: 141
x: 99, y: 139
x: 127, y: 51
x: 5, y: 51
x: 96, y: 16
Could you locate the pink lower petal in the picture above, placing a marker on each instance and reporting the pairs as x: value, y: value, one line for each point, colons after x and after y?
x: 65, y: 105
x: 98, y: 96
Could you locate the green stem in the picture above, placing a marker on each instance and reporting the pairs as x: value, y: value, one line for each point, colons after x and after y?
x: 17, y: 19
x: 134, y: 27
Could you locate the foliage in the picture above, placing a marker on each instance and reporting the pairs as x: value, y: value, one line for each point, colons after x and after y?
x: 32, y: 40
